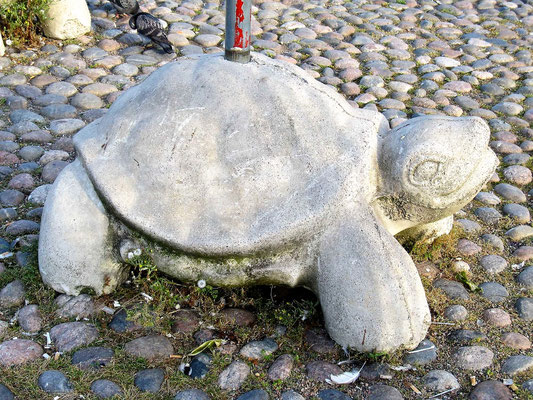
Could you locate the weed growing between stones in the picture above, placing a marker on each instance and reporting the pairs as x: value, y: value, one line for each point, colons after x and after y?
x: 20, y: 20
x: 441, y: 247
x: 143, y: 263
x: 36, y: 292
x: 289, y: 314
x: 296, y: 309
x: 156, y: 290
x: 273, y: 306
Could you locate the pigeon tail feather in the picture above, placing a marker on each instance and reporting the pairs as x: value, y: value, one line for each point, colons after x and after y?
x: 166, y: 46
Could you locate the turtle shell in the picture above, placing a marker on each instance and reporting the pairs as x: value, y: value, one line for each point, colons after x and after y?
x: 219, y: 158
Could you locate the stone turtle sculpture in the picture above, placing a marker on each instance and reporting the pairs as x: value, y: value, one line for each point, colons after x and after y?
x: 255, y: 173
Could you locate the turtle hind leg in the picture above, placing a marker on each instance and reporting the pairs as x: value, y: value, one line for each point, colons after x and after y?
x: 371, y: 295
x: 75, y: 242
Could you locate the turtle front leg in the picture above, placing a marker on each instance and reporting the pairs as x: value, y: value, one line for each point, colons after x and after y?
x: 76, y: 239
x: 371, y: 295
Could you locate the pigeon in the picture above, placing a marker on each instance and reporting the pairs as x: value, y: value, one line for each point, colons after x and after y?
x: 126, y: 6
x: 149, y: 26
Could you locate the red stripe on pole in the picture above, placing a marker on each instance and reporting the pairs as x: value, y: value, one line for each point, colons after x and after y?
x: 239, y: 18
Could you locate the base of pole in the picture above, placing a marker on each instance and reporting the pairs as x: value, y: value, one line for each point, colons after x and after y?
x: 237, y: 55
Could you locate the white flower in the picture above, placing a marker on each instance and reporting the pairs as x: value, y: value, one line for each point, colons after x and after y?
x: 130, y: 255
x: 147, y: 296
x: 9, y: 42
x: 137, y: 252
x: 201, y: 284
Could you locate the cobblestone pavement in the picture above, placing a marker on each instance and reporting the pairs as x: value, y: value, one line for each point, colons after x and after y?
x: 404, y: 58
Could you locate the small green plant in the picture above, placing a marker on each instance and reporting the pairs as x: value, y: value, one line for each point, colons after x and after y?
x: 208, y: 291
x: 66, y: 42
x: 463, y: 278
x: 21, y: 20
x: 208, y: 345
x: 277, y: 384
x: 267, y: 357
x: 447, y: 10
x: 158, y: 288
x: 30, y: 277
x: 291, y: 313
x: 440, y: 248
x: 144, y: 264
x: 374, y: 357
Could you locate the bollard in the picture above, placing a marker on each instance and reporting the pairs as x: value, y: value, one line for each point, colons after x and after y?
x: 238, y: 24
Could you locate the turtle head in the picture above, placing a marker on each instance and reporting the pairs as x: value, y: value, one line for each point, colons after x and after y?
x: 432, y: 166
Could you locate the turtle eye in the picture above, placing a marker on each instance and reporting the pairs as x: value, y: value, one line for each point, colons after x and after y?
x: 425, y: 173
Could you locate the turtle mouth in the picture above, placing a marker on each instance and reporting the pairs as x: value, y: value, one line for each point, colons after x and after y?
x: 485, y: 168
x: 488, y: 161
x: 471, y: 184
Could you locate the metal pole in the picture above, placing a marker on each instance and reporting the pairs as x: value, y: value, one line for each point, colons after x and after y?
x: 238, y: 22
